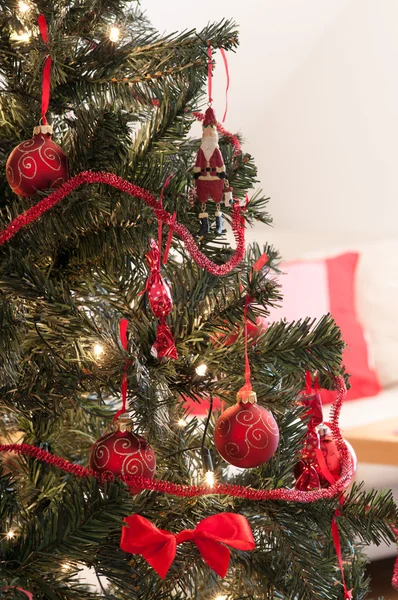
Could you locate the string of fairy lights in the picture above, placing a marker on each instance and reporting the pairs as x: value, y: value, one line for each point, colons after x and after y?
x: 24, y: 35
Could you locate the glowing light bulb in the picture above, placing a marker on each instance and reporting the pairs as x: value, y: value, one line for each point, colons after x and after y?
x: 221, y: 598
x: 98, y: 350
x: 201, y: 370
x: 23, y: 7
x: 181, y: 423
x: 21, y: 36
x: 65, y: 566
x: 209, y: 478
x: 10, y: 534
x: 114, y: 34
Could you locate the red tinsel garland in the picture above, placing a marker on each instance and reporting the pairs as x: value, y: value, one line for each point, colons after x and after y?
x: 33, y: 213
x: 395, y: 574
x: 237, y: 491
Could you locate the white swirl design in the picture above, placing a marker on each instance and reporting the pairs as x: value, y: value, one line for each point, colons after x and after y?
x: 27, y: 166
x: 101, y: 456
x: 50, y: 157
x: 246, y: 435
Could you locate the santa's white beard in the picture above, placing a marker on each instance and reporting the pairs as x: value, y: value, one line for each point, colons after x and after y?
x: 209, y: 144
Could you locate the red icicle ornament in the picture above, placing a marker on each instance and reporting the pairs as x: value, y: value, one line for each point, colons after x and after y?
x: 321, y: 463
x: 161, y: 303
x: 307, y: 472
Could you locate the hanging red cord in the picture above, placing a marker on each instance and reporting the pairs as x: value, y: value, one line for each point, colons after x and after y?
x: 248, y: 385
x: 123, y: 339
x: 337, y: 545
x: 46, y: 79
x: 210, y: 77
x: 308, y: 382
x: 209, y: 73
x: 14, y: 587
x: 160, y: 224
x: 224, y: 57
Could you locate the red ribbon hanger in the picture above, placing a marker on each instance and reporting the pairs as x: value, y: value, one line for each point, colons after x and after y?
x: 247, y: 387
x: 46, y: 78
x: 123, y: 339
x: 209, y: 72
x: 337, y: 545
x: 224, y: 57
x: 211, y: 536
x: 210, y: 77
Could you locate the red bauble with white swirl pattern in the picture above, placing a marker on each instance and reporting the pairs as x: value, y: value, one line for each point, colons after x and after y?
x: 123, y: 452
x: 37, y: 164
x: 246, y: 435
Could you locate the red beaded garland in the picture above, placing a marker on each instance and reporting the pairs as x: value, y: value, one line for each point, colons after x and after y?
x: 246, y: 435
x: 37, y: 164
x: 122, y: 452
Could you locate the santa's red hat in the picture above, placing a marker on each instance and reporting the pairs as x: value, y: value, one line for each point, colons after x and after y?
x: 210, y: 118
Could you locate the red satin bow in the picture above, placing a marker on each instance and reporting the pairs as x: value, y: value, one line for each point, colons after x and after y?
x: 159, y: 547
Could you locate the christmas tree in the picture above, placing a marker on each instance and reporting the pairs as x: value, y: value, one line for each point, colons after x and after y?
x: 81, y: 343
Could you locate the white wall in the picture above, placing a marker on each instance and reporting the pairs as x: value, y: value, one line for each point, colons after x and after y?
x: 314, y: 90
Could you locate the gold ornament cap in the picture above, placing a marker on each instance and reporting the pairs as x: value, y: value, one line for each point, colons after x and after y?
x: 246, y: 397
x: 44, y: 129
x: 123, y: 423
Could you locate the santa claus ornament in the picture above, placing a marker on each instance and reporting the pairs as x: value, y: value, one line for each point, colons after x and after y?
x: 38, y: 164
x: 123, y: 452
x: 246, y: 435
x: 209, y: 173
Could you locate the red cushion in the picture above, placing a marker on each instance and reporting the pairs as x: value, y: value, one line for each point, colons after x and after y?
x: 329, y: 286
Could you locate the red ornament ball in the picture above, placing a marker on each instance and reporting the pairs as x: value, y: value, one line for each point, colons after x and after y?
x: 253, y: 332
x: 246, y: 435
x: 37, y: 164
x: 123, y: 452
x: 332, y: 456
